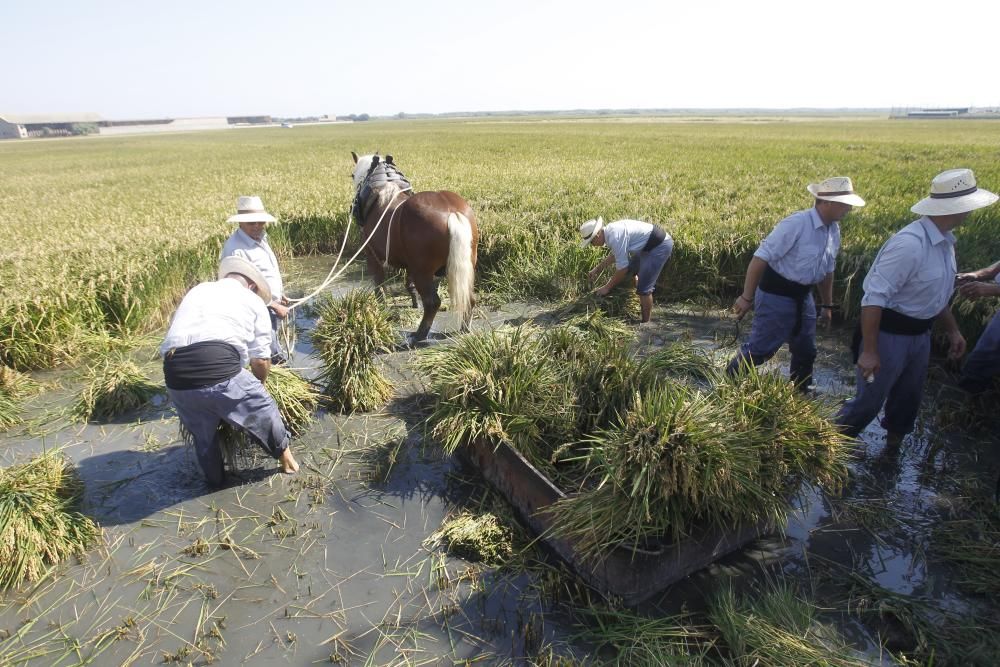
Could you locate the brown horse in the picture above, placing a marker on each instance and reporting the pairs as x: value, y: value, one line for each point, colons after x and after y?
x: 428, y: 234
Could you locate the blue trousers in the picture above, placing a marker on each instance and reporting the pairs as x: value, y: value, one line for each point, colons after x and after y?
x: 276, y: 350
x: 773, y: 323
x: 243, y: 402
x: 899, y: 384
x: 647, y: 265
x: 983, y: 363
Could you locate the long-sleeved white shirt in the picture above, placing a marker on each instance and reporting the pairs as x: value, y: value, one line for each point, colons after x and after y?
x: 259, y: 254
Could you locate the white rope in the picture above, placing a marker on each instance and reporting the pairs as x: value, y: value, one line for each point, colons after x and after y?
x: 331, y: 276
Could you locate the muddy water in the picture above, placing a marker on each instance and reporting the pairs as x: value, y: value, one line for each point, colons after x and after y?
x: 331, y: 565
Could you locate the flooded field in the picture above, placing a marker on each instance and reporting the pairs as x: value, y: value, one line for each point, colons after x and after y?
x: 337, y: 564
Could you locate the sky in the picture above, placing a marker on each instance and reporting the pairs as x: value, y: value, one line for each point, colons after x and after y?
x: 142, y: 59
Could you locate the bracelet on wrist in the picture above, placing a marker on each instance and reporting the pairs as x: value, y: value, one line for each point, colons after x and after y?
x: 827, y: 306
x: 744, y: 298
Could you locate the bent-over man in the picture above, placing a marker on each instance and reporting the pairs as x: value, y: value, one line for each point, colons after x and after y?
x: 249, y: 241
x: 636, y: 248
x: 799, y: 254
x: 907, y: 288
x: 218, y: 329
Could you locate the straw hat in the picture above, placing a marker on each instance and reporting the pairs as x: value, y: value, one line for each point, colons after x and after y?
x: 589, y: 229
x: 838, y: 189
x: 954, y: 191
x: 250, y: 209
x: 234, y: 264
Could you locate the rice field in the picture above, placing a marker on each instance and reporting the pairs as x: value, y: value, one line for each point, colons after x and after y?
x: 383, y: 550
x: 105, y: 234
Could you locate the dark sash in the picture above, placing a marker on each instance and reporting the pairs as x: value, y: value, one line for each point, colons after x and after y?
x: 774, y: 283
x: 893, y: 322
x: 656, y: 237
x: 200, y: 365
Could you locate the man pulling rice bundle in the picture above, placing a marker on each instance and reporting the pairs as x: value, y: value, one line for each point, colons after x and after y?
x: 218, y: 329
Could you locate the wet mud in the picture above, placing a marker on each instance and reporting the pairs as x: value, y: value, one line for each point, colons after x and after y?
x: 333, y: 565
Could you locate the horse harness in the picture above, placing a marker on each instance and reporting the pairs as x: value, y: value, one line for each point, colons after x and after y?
x: 380, y: 173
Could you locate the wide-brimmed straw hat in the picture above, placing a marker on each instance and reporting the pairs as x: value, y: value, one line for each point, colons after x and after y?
x: 954, y: 191
x: 589, y: 229
x: 234, y: 264
x: 838, y: 189
x: 250, y: 209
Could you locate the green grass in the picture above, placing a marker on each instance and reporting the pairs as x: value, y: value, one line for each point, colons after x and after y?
x: 72, y: 211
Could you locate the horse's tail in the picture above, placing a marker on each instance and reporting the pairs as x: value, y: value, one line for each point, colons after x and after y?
x: 460, y: 271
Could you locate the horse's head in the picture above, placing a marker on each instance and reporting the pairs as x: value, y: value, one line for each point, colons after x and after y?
x: 363, y: 164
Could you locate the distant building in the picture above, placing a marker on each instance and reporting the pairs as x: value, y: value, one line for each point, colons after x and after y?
x: 23, y: 126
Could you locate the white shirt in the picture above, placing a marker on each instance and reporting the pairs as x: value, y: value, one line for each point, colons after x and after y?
x: 625, y: 238
x: 801, y: 247
x: 259, y: 254
x: 226, y: 311
x: 914, y: 272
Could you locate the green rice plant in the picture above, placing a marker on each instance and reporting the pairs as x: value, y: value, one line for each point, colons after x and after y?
x: 680, y: 360
x: 481, y: 538
x: 10, y: 410
x: 969, y: 539
x: 644, y: 641
x: 777, y: 627
x: 619, y: 303
x: 39, y: 522
x: 112, y: 386
x: 350, y: 332
x: 498, y: 385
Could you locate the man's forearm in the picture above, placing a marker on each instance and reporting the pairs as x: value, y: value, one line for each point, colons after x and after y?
x: 825, y: 288
x: 871, y: 317
x: 616, y: 278
x: 755, y: 271
x: 948, y: 321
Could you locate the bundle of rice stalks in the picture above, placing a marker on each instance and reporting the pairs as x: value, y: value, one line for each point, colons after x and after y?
x: 296, y: 397
x: 620, y: 302
x: 351, y: 330
x: 39, y: 525
x: 10, y: 410
x: 499, y: 385
x: 475, y: 538
x: 642, y: 641
x: 778, y: 628
x: 969, y: 539
x: 112, y: 385
x: 592, y: 351
x: 16, y: 384
x: 681, y: 460
x: 680, y: 360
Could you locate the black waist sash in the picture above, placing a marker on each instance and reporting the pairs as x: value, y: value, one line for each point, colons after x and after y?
x: 200, y: 365
x: 895, y: 323
x: 774, y: 283
x: 656, y: 237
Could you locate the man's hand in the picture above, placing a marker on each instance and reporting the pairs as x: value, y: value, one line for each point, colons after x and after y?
x: 825, y: 317
x: 741, y: 307
x: 977, y: 290
x: 280, y: 310
x: 956, y: 345
x: 963, y: 278
x: 594, y: 273
x: 869, y: 364
x: 602, y: 291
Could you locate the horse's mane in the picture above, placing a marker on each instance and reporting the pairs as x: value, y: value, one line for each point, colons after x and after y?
x: 387, y: 193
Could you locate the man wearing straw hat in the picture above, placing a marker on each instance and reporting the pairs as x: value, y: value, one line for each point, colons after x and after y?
x: 249, y: 241
x: 799, y: 254
x: 907, y: 288
x: 983, y: 363
x: 637, y: 248
x: 219, y: 328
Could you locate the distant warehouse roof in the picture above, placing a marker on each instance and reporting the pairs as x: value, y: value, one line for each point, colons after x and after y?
x: 45, y: 118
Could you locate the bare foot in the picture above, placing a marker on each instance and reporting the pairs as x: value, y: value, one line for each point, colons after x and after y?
x: 288, y: 463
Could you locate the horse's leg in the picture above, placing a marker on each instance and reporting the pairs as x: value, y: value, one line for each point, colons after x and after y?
x: 412, y: 289
x: 375, y: 267
x: 426, y: 284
